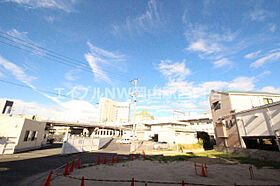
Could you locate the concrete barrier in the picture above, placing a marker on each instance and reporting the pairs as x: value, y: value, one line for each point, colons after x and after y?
x: 75, y: 144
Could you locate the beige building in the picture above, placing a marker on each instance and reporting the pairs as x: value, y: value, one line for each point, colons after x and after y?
x: 144, y: 116
x: 225, y: 103
x: 113, y: 111
x: 18, y: 134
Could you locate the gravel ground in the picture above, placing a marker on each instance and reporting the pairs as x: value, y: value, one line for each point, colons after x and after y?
x: 220, y: 172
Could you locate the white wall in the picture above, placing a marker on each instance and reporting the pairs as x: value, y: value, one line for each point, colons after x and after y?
x: 75, y: 144
x: 171, y: 136
x: 244, y: 102
x: 14, y: 128
x: 258, y: 123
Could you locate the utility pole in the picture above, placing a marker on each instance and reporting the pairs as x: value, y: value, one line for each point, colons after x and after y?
x: 134, y: 94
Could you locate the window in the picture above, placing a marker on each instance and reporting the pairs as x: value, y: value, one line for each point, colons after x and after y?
x: 33, y: 135
x: 267, y: 101
x: 216, y: 105
x: 26, y: 135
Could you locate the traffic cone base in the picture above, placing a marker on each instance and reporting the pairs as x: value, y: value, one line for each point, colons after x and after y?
x: 132, y: 182
x: 72, y: 166
x: 47, y: 183
x: 203, y: 172
x: 83, y: 181
x: 66, y: 170
x: 79, y: 163
x: 112, y: 159
x: 118, y: 159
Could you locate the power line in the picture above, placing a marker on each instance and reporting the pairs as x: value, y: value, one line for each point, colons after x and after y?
x: 49, y: 54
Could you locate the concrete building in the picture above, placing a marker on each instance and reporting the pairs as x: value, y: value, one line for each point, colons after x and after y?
x: 113, y: 111
x: 225, y: 103
x: 199, y: 122
x: 19, y: 133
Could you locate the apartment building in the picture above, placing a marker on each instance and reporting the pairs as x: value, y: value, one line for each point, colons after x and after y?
x: 226, y: 103
x: 113, y: 111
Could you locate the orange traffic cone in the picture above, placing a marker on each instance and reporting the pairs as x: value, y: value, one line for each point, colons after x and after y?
x: 131, y: 157
x: 118, y: 159
x: 183, y: 183
x: 112, y: 159
x: 79, y: 163
x: 144, y: 155
x: 132, y: 182
x: 105, y: 160
x: 47, y: 182
x: 203, y: 172
x: 72, y: 166
x: 98, y: 160
x: 66, y: 170
x: 83, y: 181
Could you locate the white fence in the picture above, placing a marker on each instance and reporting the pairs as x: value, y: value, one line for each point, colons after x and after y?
x: 76, y: 144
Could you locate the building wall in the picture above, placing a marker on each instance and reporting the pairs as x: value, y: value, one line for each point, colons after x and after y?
x: 123, y: 112
x: 112, y: 111
x: 172, y: 136
x: 260, y: 122
x: 14, y: 129
x: 10, y: 130
x: 225, y: 102
x: 244, y: 102
x: 226, y: 132
x: 40, y: 137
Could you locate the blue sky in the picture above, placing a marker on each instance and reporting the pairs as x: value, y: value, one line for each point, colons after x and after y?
x: 180, y: 50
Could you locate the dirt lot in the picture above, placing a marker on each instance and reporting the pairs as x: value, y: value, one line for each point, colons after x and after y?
x: 220, y: 171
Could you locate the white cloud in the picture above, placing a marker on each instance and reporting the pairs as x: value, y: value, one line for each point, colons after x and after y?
x: 259, y: 14
x: 17, y: 36
x: 211, y: 45
x: 17, y: 72
x: 222, y: 62
x: 272, y: 27
x: 174, y: 70
x: 98, y: 58
x: 204, y: 46
x: 271, y: 89
x: 272, y: 56
x: 242, y: 83
x: 71, y: 75
x: 264, y: 73
x: 65, y: 5
x: 253, y: 55
x: 97, y: 71
x: 105, y: 56
x: 146, y: 22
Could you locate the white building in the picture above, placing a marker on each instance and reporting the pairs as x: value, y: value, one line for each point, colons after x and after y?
x: 259, y: 127
x: 225, y: 103
x: 112, y: 111
x: 18, y: 134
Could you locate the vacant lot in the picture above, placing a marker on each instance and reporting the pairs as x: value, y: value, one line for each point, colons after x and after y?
x: 223, y: 169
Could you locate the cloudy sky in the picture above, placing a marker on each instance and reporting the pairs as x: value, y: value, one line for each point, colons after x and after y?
x: 180, y: 51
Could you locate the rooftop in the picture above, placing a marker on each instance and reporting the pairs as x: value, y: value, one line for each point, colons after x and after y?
x: 245, y: 92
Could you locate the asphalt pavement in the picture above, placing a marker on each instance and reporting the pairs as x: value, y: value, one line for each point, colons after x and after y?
x: 16, y: 167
